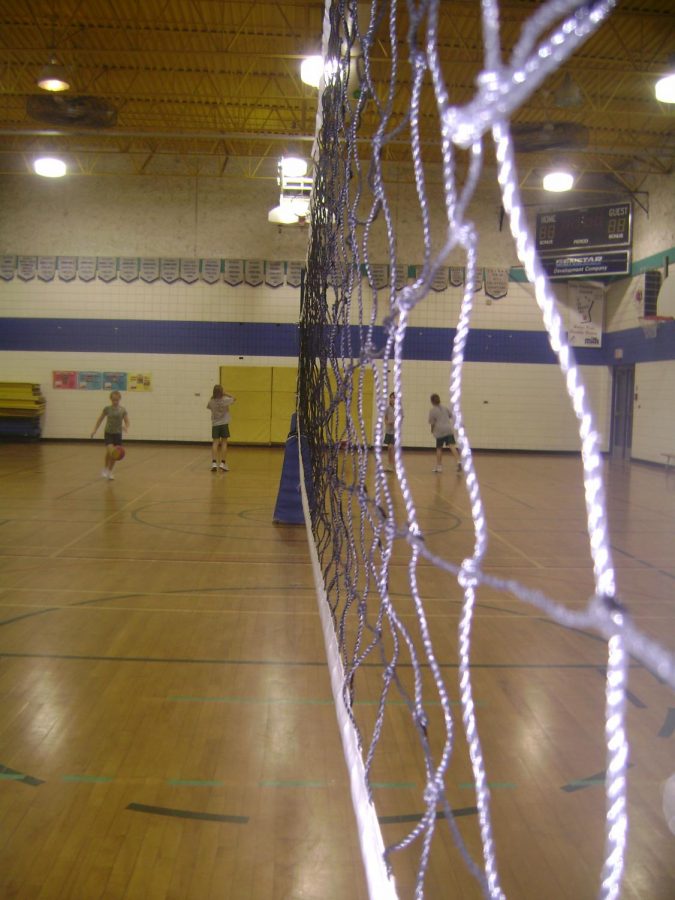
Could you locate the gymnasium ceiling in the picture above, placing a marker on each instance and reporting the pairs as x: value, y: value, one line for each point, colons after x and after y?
x: 212, y: 89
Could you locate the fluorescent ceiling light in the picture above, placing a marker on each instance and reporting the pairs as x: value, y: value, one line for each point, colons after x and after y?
x: 282, y: 215
x: 558, y: 181
x: 50, y: 167
x: 665, y: 88
x: 293, y: 167
x: 53, y: 77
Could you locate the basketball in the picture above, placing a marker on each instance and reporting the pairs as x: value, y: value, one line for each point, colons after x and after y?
x: 118, y: 453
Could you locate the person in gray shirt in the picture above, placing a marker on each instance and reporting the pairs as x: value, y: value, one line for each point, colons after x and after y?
x: 440, y: 419
x: 117, y: 421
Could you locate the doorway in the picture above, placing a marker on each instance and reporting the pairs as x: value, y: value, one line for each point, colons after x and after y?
x: 623, y: 390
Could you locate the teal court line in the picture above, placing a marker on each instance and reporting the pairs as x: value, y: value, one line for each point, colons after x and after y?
x: 493, y: 785
x: 194, y: 782
x: 88, y: 779
x: 300, y: 701
x: 300, y: 784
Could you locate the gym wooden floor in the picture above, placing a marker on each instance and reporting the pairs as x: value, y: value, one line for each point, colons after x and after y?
x: 167, y: 724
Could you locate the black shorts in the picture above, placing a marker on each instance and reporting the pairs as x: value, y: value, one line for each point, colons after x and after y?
x: 111, y: 438
x: 388, y: 439
x: 220, y: 431
x: 445, y: 441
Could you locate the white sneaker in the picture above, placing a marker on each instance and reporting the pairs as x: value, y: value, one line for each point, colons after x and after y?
x: 105, y: 474
x: 437, y: 469
x: 214, y: 466
x: 111, y: 477
x: 224, y: 467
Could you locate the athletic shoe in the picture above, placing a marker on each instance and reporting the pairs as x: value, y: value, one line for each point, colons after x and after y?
x: 105, y: 473
x: 111, y: 477
x: 437, y: 469
x: 459, y: 467
x: 224, y: 467
x: 388, y: 469
x: 214, y: 466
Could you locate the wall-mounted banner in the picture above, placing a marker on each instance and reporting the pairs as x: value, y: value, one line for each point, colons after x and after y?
x: 210, y: 270
x: 593, y: 265
x: 294, y: 274
x: 496, y: 283
x: 26, y: 267
x: 440, y: 280
x: 254, y: 272
x: 149, y: 270
x: 138, y: 382
x: 90, y: 381
x: 67, y: 268
x: 456, y: 276
x: 128, y: 268
x: 478, y: 280
x: 233, y: 271
x: 114, y: 381
x: 86, y: 268
x: 587, y: 313
x: 106, y: 268
x: 400, y: 276
x: 46, y: 268
x: 64, y: 381
x: 274, y: 273
x: 189, y: 270
x: 379, y: 276
x: 7, y: 267
x: 169, y: 270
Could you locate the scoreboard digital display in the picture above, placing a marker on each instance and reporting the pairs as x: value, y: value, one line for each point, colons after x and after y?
x: 593, y: 228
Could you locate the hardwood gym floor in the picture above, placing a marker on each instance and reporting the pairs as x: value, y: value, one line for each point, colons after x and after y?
x: 167, y: 724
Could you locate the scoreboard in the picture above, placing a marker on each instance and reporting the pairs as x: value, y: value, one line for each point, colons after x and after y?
x: 607, y: 227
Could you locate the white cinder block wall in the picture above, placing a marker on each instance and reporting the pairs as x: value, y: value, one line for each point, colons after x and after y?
x: 509, y: 405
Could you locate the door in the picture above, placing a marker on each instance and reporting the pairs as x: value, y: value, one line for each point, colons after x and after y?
x: 622, y: 411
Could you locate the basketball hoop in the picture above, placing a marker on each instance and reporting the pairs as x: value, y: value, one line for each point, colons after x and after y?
x: 650, y: 324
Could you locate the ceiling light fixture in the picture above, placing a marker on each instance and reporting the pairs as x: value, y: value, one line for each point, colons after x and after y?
x: 50, y: 167
x: 664, y: 89
x: 558, y: 181
x: 311, y: 70
x: 282, y: 215
x: 293, y: 166
x: 53, y: 77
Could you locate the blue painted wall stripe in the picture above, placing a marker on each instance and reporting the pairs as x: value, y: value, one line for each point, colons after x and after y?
x: 264, y: 340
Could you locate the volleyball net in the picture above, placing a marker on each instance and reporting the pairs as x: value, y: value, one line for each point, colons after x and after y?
x: 352, y: 335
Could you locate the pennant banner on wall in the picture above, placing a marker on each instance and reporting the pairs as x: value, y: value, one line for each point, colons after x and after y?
x: 169, y: 269
x: 210, y: 270
x: 106, y: 268
x: 26, y: 267
x: 189, y: 270
x: 86, y: 268
x: 7, y: 267
x: 254, y: 272
x: 149, y: 269
x: 294, y: 274
x: 478, y: 282
x: 67, y: 268
x: 440, y: 280
x: 400, y: 276
x: 379, y: 276
x: 46, y: 268
x: 233, y: 271
x: 496, y: 283
x: 456, y: 276
x: 128, y: 268
x: 274, y: 274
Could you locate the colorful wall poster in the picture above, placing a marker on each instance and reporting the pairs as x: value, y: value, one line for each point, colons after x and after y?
x: 89, y: 381
x: 138, y: 382
x: 64, y: 381
x: 114, y: 381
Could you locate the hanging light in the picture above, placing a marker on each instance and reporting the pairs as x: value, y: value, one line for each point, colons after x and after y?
x: 311, y: 70
x: 53, y: 77
x: 282, y: 215
x: 50, y: 167
x: 293, y: 166
x: 664, y: 89
x: 300, y: 206
x: 558, y: 181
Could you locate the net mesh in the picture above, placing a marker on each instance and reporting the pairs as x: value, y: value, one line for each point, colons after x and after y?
x: 352, y: 335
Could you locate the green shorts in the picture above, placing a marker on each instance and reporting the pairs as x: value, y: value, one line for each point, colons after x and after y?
x: 220, y: 431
